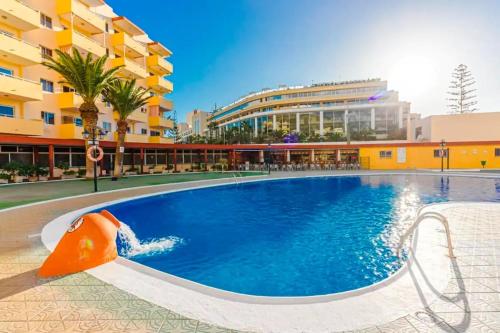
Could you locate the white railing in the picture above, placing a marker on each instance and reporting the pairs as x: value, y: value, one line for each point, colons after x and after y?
x: 19, y: 78
x: 27, y: 6
x: 421, y: 217
x: 5, y: 33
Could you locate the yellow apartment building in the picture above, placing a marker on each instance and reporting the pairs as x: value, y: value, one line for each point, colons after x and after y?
x: 33, y: 103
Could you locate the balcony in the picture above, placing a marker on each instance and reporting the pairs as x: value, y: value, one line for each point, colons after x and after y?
x: 160, y: 139
x: 129, y: 68
x: 69, y: 131
x: 127, y: 46
x: 21, y: 126
x: 18, y: 52
x: 69, y: 101
x: 20, y: 89
x: 159, y: 84
x: 157, y: 121
x: 18, y: 15
x: 81, y: 16
x: 136, y: 116
x: 161, y: 102
x: 159, y: 65
x: 142, y: 138
x: 71, y: 38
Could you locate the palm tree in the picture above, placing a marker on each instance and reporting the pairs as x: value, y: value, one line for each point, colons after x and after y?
x: 125, y: 97
x: 89, y: 78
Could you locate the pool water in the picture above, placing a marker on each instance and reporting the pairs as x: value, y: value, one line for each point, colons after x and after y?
x: 296, y: 237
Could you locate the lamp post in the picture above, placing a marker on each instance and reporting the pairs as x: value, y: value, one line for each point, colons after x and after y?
x: 268, y: 150
x: 93, y: 135
x: 442, y: 145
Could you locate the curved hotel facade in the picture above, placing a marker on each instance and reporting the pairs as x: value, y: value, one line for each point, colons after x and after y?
x: 345, y: 109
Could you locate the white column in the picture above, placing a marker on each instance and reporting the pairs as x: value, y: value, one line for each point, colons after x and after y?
x: 261, y: 156
x: 288, y: 156
x: 346, y: 117
x: 372, y: 126
x: 400, y: 117
x: 255, y: 130
x: 275, y: 127
x: 312, y: 155
x: 338, y: 155
x: 321, y: 123
x: 297, y: 123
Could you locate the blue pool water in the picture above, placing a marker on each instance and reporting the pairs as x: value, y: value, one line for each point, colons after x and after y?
x: 298, y: 237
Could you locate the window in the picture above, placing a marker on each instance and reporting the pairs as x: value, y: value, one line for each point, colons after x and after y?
x: 68, y: 89
x: 48, y: 118
x: 155, y: 133
x: 107, y: 27
x: 6, y: 71
x: 144, y: 109
x: 78, y: 122
x: 47, y: 85
x: 106, y: 126
x: 437, y: 153
x: 45, y: 21
x: 497, y: 152
x: 385, y: 154
x: 144, y: 131
x: 6, y: 111
x: 46, y: 52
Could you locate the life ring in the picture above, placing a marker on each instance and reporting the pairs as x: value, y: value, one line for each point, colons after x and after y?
x: 90, y: 153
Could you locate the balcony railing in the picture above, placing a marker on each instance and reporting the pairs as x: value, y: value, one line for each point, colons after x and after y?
x: 18, y: 51
x: 20, y: 88
x: 20, y: 15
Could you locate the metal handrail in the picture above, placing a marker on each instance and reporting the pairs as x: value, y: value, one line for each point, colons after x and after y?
x: 421, y: 217
x: 19, y: 78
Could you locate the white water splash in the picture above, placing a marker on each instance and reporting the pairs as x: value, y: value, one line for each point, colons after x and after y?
x: 132, y: 246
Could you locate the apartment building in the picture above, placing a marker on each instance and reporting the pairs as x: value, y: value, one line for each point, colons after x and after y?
x: 34, y: 104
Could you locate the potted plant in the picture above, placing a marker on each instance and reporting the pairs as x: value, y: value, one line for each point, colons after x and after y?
x: 152, y: 169
x: 131, y: 171
x: 483, y: 164
x: 4, y: 178
x: 67, y: 173
x: 41, y: 173
x: 26, y: 173
x: 81, y: 173
x: 12, y: 169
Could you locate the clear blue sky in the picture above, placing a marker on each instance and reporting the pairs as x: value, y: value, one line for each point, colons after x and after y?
x: 224, y: 49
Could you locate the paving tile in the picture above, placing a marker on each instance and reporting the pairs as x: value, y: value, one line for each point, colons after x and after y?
x: 13, y: 327
x: 401, y: 325
x: 46, y: 326
x: 44, y: 311
x: 179, y: 326
x: 491, y: 319
x: 206, y: 328
x: 87, y: 326
x: 13, y: 311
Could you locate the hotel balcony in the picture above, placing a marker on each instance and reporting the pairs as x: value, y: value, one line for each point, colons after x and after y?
x: 161, y: 102
x: 129, y: 68
x: 70, y: 131
x: 157, y: 121
x: 160, y: 139
x: 160, y: 49
x: 136, y: 116
x: 72, y: 38
x: 18, y: 52
x: 21, y: 126
x: 159, y: 65
x: 69, y: 101
x: 20, y: 89
x: 81, y: 16
x: 159, y: 84
x: 18, y: 15
x: 127, y: 46
x: 142, y: 138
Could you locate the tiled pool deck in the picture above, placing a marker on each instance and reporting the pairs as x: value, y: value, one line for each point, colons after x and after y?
x: 82, y: 303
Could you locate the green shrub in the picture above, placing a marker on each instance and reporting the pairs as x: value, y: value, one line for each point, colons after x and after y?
x: 69, y: 172
x: 26, y: 170
x: 4, y: 176
x: 40, y: 171
x: 81, y: 172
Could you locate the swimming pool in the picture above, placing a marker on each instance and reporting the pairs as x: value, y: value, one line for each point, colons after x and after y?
x: 294, y: 237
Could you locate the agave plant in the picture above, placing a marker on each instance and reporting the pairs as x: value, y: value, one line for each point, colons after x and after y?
x: 89, y: 77
x: 125, y: 97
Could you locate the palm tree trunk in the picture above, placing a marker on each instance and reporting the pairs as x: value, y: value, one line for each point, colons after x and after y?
x: 122, y: 131
x: 89, y: 113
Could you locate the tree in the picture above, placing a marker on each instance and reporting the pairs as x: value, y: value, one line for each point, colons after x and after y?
x: 462, y: 99
x: 125, y: 97
x: 89, y: 78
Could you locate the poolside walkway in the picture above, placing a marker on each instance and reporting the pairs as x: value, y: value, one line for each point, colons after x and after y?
x: 82, y: 303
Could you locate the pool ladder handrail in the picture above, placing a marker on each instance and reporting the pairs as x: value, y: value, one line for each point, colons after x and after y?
x: 236, y: 178
x: 421, y: 217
